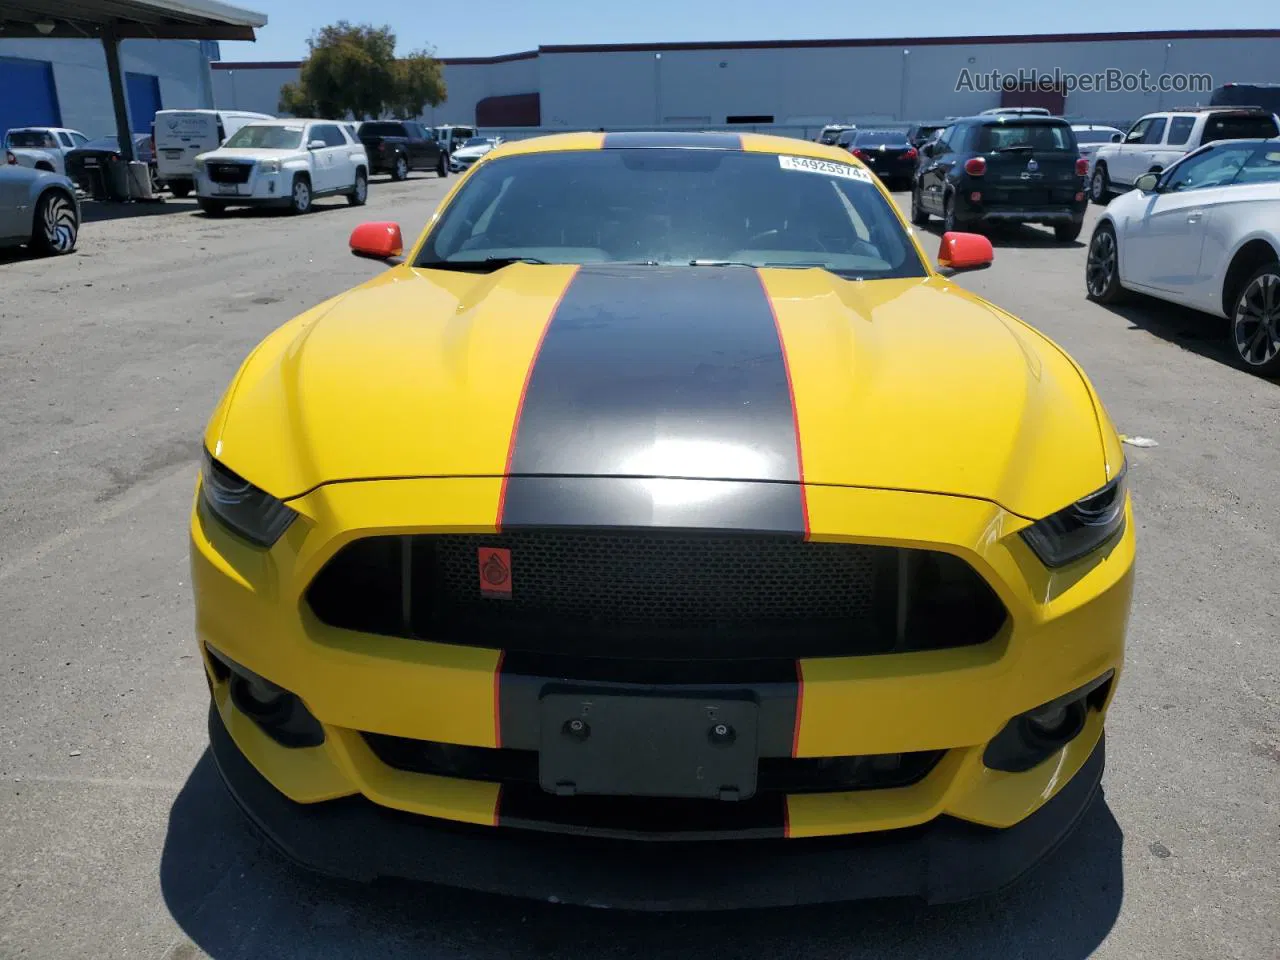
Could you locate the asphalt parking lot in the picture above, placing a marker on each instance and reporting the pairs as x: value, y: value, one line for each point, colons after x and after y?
x: 118, y: 841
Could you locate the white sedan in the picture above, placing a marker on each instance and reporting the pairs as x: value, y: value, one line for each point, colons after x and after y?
x: 1205, y: 233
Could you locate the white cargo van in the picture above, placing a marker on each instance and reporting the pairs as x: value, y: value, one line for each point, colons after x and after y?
x: 182, y: 135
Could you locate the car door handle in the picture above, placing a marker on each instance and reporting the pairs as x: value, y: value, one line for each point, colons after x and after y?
x: 1194, y: 216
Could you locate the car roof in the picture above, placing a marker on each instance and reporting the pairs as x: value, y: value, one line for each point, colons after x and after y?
x: 670, y: 139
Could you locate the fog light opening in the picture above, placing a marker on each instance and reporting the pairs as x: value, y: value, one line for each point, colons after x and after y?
x: 278, y: 713
x: 1058, y: 723
x: 260, y: 699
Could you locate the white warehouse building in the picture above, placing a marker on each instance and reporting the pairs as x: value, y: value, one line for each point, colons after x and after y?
x: 796, y: 86
x: 63, y: 83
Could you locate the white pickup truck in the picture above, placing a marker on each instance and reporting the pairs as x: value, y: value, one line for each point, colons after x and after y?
x: 42, y: 148
x: 1160, y: 139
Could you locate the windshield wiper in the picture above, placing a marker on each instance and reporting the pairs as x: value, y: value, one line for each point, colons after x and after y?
x: 1015, y: 148
x: 783, y: 264
x: 487, y: 265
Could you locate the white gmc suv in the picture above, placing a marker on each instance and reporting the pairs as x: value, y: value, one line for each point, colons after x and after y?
x: 285, y: 163
x: 1159, y: 139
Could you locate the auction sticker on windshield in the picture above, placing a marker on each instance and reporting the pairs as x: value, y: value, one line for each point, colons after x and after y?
x: 811, y: 165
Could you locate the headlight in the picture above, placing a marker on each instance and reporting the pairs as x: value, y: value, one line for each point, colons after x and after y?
x: 252, y: 513
x: 1081, y: 528
x: 199, y: 163
x: 269, y: 166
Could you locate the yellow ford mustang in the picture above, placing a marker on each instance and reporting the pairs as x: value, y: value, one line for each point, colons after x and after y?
x: 662, y: 531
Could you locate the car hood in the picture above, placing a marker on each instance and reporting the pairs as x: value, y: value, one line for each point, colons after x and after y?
x: 728, y: 373
x: 471, y: 151
x: 249, y: 153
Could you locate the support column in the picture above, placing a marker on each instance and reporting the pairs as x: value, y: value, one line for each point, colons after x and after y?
x: 124, y: 133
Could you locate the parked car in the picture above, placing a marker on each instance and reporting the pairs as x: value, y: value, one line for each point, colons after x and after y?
x: 41, y: 148
x: 1204, y: 233
x: 399, y: 146
x: 1003, y: 169
x: 87, y: 163
x: 38, y: 208
x: 845, y: 140
x: 182, y: 135
x: 831, y: 132
x: 888, y: 154
x: 284, y: 163
x: 517, y: 536
x: 1160, y: 139
x: 1016, y: 112
x: 1265, y: 95
x: 461, y: 159
x: 451, y: 136
x: 920, y: 133
x: 1091, y: 136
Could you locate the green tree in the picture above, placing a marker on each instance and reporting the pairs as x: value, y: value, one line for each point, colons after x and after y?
x: 352, y: 70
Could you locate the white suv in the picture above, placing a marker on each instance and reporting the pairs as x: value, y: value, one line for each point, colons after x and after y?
x: 284, y: 163
x: 1158, y: 140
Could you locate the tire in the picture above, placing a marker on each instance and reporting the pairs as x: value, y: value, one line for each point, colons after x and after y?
x: 180, y: 190
x: 57, y: 225
x: 1102, y: 268
x: 1067, y: 232
x: 949, y: 222
x: 919, y: 216
x: 359, y: 194
x: 400, y: 170
x: 1255, y: 321
x: 212, y: 208
x: 300, y: 196
x: 442, y: 167
x: 1100, y: 185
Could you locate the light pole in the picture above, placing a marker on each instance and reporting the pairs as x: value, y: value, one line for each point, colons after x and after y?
x: 657, y: 89
x: 902, y: 106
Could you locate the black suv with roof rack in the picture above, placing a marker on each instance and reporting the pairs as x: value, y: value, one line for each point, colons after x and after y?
x: 1002, y: 169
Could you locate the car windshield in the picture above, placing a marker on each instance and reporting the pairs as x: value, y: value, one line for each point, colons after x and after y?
x: 31, y: 139
x: 1045, y: 137
x: 478, y: 142
x: 877, y: 137
x: 1095, y: 136
x: 673, y: 207
x: 382, y: 130
x: 263, y: 137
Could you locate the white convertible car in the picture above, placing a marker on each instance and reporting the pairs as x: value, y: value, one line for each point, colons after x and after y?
x: 1205, y: 233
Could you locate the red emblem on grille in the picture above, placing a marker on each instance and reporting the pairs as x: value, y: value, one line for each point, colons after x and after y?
x: 495, y: 572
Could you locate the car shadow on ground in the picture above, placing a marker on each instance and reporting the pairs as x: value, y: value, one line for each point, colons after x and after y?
x: 101, y: 211
x: 235, y: 897
x: 1020, y: 236
x: 1189, y: 329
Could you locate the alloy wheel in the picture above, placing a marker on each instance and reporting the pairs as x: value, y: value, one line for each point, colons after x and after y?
x: 1101, y: 267
x: 1257, y: 320
x: 1097, y: 187
x: 60, y: 225
x: 301, y: 196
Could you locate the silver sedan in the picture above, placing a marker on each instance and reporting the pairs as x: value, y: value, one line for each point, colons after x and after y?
x: 39, y: 209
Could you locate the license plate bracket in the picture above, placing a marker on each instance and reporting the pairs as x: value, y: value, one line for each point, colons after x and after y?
x: 226, y: 189
x: 603, y: 743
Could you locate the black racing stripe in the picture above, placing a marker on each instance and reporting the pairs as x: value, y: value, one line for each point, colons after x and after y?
x: 672, y: 372
x: 773, y: 684
x: 672, y: 139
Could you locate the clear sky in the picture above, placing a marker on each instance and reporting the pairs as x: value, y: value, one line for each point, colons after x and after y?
x: 482, y: 28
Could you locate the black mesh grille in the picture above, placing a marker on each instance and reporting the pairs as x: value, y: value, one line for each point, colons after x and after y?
x: 229, y: 172
x: 658, y: 595
x: 666, y: 578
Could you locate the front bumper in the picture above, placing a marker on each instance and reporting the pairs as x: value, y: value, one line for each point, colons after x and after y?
x: 943, y: 861
x: 1064, y: 630
x: 260, y: 189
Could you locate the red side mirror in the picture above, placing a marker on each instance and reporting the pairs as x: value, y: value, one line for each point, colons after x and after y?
x: 965, y: 251
x: 379, y: 241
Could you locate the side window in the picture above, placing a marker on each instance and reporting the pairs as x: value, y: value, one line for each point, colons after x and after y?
x: 415, y: 131
x: 80, y: 139
x: 943, y: 143
x: 1180, y: 130
x: 330, y: 134
x: 1262, y: 167
x: 1155, y: 132
x: 1213, y: 168
x: 1137, y: 132
x: 66, y: 140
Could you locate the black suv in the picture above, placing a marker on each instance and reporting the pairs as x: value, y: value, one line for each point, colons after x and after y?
x: 1002, y: 169
x: 398, y: 146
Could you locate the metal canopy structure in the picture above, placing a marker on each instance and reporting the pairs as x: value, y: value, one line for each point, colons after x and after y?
x: 111, y: 21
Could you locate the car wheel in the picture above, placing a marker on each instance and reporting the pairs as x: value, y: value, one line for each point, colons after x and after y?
x: 360, y: 192
x: 1100, y: 186
x: 401, y: 169
x: 442, y: 168
x: 1255, y: 323
x: 212, y: 208
x: 57, y: 225
x: 1102, y: 268
x: 180, y: 190
x: 300, y: 199
x: 1066, y: 232
x: 919, y: 216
